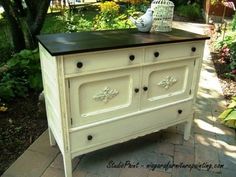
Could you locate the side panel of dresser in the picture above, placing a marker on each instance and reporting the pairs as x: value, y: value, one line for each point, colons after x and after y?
x: 52, y: 97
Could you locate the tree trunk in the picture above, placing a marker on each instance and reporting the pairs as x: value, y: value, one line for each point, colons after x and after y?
x: 16, y: 31
x: 35, y: 18
x: 25, y: 25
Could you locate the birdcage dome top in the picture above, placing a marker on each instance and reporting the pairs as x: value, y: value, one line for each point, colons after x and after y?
x: 162, y: 2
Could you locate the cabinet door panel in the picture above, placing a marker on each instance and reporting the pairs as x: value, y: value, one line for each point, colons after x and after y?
x: 166, y: 83
x: 105, y: 95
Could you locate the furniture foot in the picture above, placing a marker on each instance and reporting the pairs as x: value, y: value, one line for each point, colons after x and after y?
x: 67, y: 161
x: 51, y: 137
x: 187, y: 129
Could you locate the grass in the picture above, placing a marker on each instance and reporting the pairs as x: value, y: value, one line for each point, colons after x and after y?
x: 56, y: 22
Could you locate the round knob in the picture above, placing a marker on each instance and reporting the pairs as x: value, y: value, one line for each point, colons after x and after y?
x: 136, y: 90
x: 193, y: 49
x: 180, y: 111
x: 79, y: 64
x: 145, y: 88
x: 90, y: 137
x: 131, y: 57
x: 156, y: 54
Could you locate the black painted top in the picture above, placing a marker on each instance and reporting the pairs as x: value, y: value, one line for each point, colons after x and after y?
x: 70, y: 43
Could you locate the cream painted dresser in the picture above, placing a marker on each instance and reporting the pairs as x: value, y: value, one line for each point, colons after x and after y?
x: 106, y: 87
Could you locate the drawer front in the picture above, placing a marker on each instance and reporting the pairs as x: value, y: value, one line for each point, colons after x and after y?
x: 96, y: 137
x: 96, y: 61
x: 173, y: 51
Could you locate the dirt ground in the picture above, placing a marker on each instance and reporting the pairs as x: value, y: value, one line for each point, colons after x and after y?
x: 20, y: 125
x: 228, y: 85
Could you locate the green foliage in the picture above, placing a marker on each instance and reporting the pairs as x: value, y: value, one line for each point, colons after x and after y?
x: 228, y: 117
x: 138, y: 5
x: 227, y: 50
x: 75, y: 23
x: 192, y: 11
x: 106, y: 18
x: 20, y: 74
x: 179, y: 2
x: 234, y: 23
x: 54, y: 23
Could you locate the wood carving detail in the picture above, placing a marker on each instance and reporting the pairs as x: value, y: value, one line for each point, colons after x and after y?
x: 106, y: 95
x: 167, y: 82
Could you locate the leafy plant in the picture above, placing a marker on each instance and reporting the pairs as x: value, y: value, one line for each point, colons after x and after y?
x: 234, y: 23
x: 138, y: 5
x: 227, y: 51
x: 228, y: 117
x: 192, y: 11
x: 106, y: 18
x: 20, y: 74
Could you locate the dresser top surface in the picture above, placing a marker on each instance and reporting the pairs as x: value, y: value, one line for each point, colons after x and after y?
x: 71, y: 43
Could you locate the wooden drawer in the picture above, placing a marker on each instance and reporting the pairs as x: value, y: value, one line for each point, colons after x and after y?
x: 173, y: 51
x: 96, y: 61
x: 127, y: 128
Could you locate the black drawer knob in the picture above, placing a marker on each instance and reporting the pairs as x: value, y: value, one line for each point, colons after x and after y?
x: 180, y: 111
x: 136, y: 90
x: 193, y: 49
x: 131, y: 57
x: 156, y: 54
x: 145, y: 88
x: 90, y: 137
x: 79, y: 64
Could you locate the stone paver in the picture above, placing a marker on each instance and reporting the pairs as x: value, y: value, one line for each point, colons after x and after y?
x: 158, y: 174
x: 135, y: 172
x: 50, y: 172
x: 165, y: 148
x: 210, y: 143
x: 35, y: 159
x: 30, y: 164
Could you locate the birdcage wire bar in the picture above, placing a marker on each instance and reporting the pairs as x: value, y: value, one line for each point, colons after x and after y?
x: 163, y: 11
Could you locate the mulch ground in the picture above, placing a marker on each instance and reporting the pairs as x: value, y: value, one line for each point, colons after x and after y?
x: 228, y: 84
x: 20, y: 125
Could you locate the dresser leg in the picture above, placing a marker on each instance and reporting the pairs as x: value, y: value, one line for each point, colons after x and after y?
x: 67, y: 165
x: 51, y: 137
x: 187, y: 129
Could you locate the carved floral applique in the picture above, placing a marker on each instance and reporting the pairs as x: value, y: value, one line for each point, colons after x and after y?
x: 106, y: 95
x: 167, y: 82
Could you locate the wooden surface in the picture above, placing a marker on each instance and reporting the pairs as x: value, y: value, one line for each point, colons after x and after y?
x: 70, y: 43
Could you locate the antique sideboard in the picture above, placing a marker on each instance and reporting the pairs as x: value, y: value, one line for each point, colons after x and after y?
x: 106, y: 87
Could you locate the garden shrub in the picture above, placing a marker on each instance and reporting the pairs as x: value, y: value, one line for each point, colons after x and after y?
x: 138, y: 5
x: 106, y: 18
x: 20, y: 74
x: 234, y: 23
x: 77, y: 22
x: 191, y: 11
x: 227, y: 51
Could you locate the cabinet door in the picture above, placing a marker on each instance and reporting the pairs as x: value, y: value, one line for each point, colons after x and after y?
x: 104, y: 95
x: 166, y: 83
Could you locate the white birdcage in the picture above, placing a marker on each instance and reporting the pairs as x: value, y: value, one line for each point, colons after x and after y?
x: 163, y: 11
